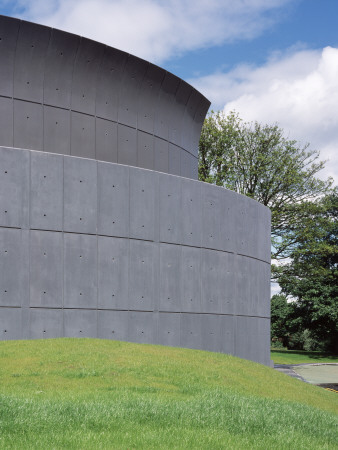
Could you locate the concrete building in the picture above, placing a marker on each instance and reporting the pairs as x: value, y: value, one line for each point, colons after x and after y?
x: 104, y: 229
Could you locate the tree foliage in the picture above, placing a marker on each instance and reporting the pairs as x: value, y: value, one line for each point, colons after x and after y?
x: 310, y: 276
x: 259, y: 161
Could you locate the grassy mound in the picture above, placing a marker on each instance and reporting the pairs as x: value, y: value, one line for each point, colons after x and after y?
x: 87, y: 393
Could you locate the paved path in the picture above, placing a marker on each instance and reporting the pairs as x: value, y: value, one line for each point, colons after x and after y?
x: 318, y: 373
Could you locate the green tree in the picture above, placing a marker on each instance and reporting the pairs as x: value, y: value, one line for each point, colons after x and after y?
x: 260, y: 162
x: 310, y: 276
x: 281, y: 311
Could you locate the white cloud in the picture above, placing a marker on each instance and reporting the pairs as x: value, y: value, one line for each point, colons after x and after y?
x: 299, y: 91
x: 155, y: 29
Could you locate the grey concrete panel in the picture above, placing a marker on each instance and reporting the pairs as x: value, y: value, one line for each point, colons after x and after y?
x: 213, y: 216
x: 6, y: 121
x: 109, y: 80
x: 45, y: 323
x: 113, y: 260
x: 265, y: 230
x: 80, y: 271
x: 257, y: 349
x: 142, y: 327
x: 86, y: 64
x: 106, y: 140
x: 182, y: 96
x: 254, y: 343
x: 46, y: 191
x: 170, y: 277
x: 262, y: 354
x: 253, y: 274
x: 245, y: 340
x: 161, y: 155
x: 46, y: 269
x: 263, y: 240
x: 191, y: 280
x: 194, y: 169
x: 143, y: 262
x: 228, y: 281
x: 183, y: 93
x: 10, y: 324
x: 56, y: 130
x: 30, y: 56
x: 250, y: 228
x: 192, y: 213
x: 189, y: 165
x: 145, y: 150
x: 243, y: 300
x: 82, y: 135
x: 24, y: 273
x: 113, y: 199
x: 212, y: 281
x: 188, y: 141
x: 127, y: 145
x: 14, y: 187
x: 143, y: 204
x: 199, y: 117
x: 113, y: 325
x: 80, y: 195
x: 148, y: 98
x: 169, y: 326
x: 28, y: 125
x: 248, y: 286
x: 59, y: 67
x: 263, y: 288
x: 229, y: 226
x: 165, y: 114
x: 174, y: 167
x: 171, y: 216
x: 227, y: 334
x: 175, y: 129
x: 133, y: 74
x: 211, y: 332
x: 9, y: 33
x: 191, y: 336
x: 13, y: 267
x: 239, y: 218
x: 80, y: 323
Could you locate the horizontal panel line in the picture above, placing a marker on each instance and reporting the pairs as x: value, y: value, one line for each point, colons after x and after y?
x: 69, y: 308
x: 136, y: 239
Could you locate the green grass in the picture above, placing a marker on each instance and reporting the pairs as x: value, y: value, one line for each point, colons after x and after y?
x: 283, y: 356
x: 96, y: 394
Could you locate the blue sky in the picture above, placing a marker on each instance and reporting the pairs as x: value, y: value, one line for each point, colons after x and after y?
x: 274, y: 61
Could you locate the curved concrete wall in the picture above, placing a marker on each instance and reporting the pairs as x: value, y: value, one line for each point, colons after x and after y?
x: 97, y: 249
x: 62, y: 93
x: 92, y: 242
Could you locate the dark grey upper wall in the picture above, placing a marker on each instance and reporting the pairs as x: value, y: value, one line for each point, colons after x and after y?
x: 63, y: 93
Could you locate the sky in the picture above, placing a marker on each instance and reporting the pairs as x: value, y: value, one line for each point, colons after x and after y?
x: 271, y: 61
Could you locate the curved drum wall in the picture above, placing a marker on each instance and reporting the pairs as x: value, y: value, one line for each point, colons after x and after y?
x: 61, y: 93
x: 96, y: 249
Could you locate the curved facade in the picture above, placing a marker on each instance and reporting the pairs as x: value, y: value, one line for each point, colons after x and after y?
x: 62, y: 93
x: 94, y: 244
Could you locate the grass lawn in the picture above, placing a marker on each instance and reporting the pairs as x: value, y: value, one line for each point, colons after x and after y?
x: 97, y: 394
x: 283, y: 356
